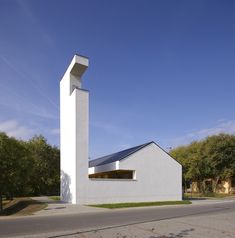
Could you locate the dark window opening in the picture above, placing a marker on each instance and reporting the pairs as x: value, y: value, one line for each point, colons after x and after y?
x: 116, y: 174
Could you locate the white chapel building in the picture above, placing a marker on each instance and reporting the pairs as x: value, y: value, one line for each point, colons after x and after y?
x: 142, y: 173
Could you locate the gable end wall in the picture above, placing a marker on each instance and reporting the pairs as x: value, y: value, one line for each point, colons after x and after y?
x: 158, y: 178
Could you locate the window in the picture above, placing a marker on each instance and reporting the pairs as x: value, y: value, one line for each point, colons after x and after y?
x: 116, y: 174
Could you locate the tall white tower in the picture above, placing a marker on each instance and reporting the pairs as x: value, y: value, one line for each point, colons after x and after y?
x: 74, y: 119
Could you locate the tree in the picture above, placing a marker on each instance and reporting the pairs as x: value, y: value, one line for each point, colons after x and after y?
x: 195, y: 166
x: 12, y: 158
x: 220, y: 152
x: 199, y: 167
x: 45, y: 176
x: 28, y: 168
x: 211, y: 158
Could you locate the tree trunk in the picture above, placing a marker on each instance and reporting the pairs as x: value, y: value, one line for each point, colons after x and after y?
x: 11, y: 196
x: 185, y: 187
x: 199, y: 186
x: 1, y: 206
x: 215, y: 184
x: 203, y: 187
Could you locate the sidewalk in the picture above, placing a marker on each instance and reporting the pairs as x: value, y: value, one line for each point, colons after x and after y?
x: 58, y: 208
x: 62, y: 208
x: 209, y: 201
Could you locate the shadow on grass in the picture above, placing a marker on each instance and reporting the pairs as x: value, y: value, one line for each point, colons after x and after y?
x: 22, y: 206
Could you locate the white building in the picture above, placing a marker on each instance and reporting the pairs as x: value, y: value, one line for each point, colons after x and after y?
x: 139, y: 174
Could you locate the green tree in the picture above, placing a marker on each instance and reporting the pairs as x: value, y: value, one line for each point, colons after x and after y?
x: 45, y: 176
x: 12, y: 164
x: 195, y: 166
x: 28, y: 168
x: 181, y: 155
x: 199, y: 166
x: 211, y: 158
x: 220, y: 153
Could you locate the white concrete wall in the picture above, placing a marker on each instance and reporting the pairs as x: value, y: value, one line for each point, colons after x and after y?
x: 73, y: 129
x: 82, y: 119
x: 67, y: 145
x: 158, y: 178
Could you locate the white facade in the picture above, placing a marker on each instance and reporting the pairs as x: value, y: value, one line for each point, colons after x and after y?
x: 157, y: 176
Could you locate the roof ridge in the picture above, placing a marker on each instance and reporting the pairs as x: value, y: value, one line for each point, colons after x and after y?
x: 117, y: 156
x: 141, y: 145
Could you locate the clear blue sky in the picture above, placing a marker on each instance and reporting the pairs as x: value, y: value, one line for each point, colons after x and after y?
x: 159, y: 70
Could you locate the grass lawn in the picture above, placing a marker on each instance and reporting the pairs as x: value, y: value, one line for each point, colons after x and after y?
x: 21, y: 207
x: 208, y: 195
x: 140, y: 204
x: 56, y: 198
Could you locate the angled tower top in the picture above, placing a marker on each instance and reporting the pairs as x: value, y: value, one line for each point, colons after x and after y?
x: 75, y: 71
x: 79, y: 65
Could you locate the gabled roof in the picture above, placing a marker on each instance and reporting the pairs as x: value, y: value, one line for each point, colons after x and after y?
x: 116, y: 156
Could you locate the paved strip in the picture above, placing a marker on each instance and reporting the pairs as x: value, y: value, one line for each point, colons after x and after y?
x: 214, y: 225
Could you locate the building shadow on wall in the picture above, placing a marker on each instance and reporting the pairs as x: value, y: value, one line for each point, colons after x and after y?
x: 65, y: 182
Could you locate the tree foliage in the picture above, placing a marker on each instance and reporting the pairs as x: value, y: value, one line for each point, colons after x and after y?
x: 46, y: 162
x: 28, y: 167
x: 213, y: 157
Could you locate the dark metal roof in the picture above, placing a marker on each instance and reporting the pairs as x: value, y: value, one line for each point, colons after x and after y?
x: 116, y: 156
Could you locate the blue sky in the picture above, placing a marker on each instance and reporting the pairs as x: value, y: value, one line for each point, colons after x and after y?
x: 159, y: 70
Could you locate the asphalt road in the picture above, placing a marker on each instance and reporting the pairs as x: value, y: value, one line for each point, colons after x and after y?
x: 59, y: 225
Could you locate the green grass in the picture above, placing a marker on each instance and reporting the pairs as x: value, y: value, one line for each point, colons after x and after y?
x: 207, y: 195
x: 140, y: 204
x: 56, y: 198
x: 218, y: 195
